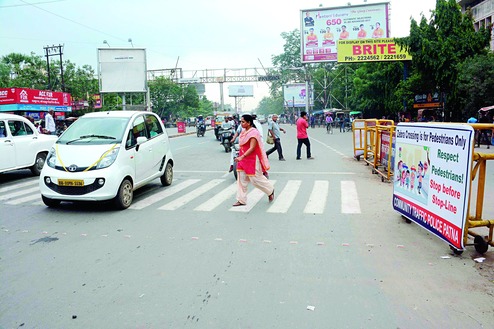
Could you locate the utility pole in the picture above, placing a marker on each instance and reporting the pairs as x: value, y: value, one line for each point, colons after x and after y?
x: 54, y: 51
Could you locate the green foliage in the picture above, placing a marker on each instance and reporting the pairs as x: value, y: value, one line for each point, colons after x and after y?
x: 173, y: 100
x: 475, y: 84
x: 270, y: 105
x: 440, y: 45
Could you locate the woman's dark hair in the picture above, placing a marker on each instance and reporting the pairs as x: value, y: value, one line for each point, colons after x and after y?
x: 249, y: 119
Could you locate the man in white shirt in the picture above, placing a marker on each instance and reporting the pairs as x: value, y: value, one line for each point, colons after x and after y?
x: 50, y: 123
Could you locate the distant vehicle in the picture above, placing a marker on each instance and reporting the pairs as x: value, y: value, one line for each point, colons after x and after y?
x: 261, y: 118
x: 107, y: 156
x: 208, y: 121
x: 21, y: 145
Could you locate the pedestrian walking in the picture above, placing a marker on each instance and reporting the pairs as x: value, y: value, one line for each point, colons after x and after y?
x: 251, y: 162
x: 303, y: 138
x: 50, y: 125
x: 275, y: 131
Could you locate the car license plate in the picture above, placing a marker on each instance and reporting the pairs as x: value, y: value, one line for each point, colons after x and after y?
x: 70, y: 182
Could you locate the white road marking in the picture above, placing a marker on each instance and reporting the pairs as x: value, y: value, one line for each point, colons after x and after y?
x: 252, y: 199
x: 16, y: 194
x: 183, y: 200
x: 168, y: 191
x: 284, y: 199
x: 318, y: 198
x: 349, y: 198
x: 28, y: 198
x: 218, y: 199
x: 16, y: 186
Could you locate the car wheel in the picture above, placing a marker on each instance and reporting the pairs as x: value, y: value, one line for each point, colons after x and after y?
x: 167, y: 177
x: 38, y: 164
x: 52, y: 203
x: 125, y: 195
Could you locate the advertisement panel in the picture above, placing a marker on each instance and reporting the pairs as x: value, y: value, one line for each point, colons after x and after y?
x: 322, y: 28
x: 34, y: 97
x: 432, y: 177
x: 294, y: 95
x: 241, y: 91
x: 122, y: 70
x: 371, y: 50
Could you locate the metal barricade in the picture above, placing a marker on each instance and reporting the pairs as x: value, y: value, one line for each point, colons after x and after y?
x: 478, y: 180
x: 358, y: 131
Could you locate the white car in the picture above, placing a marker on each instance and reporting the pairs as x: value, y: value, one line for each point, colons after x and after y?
x: 21, y: 145
x: 107, y: 156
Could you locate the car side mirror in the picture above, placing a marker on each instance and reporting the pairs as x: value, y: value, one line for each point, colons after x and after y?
x: 140, y: 140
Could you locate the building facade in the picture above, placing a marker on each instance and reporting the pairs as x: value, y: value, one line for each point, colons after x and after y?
x: 483, y: 13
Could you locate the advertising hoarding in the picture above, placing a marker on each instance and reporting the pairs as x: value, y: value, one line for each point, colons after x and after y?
x: 241, y: 91
x: 322, y: 28
x: 25, y: 99
x: 122, y: 70
x: 294, y: 95
x: 431, y: 181
x: 371, y: 50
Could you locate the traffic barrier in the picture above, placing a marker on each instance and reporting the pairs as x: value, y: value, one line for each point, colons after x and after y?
x: 478, y: 175
x: 358, y: 130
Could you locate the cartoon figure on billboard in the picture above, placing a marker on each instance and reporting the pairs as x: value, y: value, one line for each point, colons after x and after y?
x: 413, y: 174
x: 311, y: 39
x: 378, y: 32
x: 412, y: 168
x: 344, y: 33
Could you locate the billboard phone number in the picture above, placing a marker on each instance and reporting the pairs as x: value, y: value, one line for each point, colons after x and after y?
x: 376, y: 57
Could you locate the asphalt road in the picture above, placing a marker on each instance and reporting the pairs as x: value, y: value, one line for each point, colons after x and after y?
x: 330, y: 252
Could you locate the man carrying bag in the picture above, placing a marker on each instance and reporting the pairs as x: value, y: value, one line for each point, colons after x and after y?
x: 274, y: 131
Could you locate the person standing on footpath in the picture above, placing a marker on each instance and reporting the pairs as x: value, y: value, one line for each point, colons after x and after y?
x: 50, y: 123
x: 251, y: 162
x: 303, y: 138
x: 275, y: 131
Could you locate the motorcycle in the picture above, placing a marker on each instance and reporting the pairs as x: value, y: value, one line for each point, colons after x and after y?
x: 201, y: 129
x: 226, y: 138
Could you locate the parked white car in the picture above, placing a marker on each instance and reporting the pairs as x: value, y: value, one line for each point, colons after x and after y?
x: 107, y: 156
x: 21, y: 145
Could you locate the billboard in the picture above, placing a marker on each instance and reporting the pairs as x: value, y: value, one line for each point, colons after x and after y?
x: 122, y: 70
x: 371, y: 50
x: 294, y: 95
x: 241, y: 91
x: 25, y: 99
x: 322, y: 28
x: 432, y: 169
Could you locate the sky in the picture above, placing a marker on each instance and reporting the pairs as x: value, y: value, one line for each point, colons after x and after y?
x: 189, y: 34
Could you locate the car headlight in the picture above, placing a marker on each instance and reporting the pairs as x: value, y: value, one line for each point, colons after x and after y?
x: 51, y: 158
x: 108, y: 159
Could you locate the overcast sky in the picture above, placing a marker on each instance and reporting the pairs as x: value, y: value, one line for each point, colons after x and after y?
x: 212, y: 34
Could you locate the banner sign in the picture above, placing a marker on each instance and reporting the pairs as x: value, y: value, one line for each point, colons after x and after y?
x: 377, y: 50
x: 388, y: 144
x: 429, y: 100
x: 322, y: 28
x: 294, y: 95
x: 432, y: 177
x: 33, y: 97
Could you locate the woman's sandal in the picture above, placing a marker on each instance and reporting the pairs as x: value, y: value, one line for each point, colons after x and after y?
x: 238, y: 203
x: 271, y: 197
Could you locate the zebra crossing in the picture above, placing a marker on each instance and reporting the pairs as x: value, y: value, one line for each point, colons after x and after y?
x: 208, y: 195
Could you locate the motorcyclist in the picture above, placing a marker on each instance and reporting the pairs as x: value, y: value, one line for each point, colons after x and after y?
x: 200, y: 125
x: 226, y: 125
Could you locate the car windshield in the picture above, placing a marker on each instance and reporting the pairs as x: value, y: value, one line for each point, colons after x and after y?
x: 95, y: 130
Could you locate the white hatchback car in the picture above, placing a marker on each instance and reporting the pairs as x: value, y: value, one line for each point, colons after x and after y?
x: 21, y: 145
x: 107, y: 156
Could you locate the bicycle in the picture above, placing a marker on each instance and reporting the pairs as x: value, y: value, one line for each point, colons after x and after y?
x: 329, y: 128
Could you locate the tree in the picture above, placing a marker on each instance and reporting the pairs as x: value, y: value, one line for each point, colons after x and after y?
x: 173, y: 100
x: 23, y: 71
x: 475, y: 83
x: 440, y: 45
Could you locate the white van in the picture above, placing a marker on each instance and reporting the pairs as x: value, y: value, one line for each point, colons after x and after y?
x: 106, y: 156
